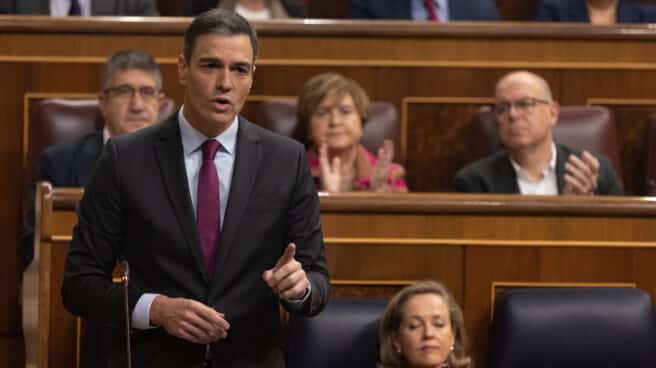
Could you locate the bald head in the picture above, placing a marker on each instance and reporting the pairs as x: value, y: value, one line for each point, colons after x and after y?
x: 526, y: 113
x: 526, y: 79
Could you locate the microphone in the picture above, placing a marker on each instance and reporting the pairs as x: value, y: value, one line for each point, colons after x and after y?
x: 125, y: 280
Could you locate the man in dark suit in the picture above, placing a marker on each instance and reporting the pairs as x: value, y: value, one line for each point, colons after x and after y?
x: 531, y: 162
x: 479, y: 10
x: 595, y: 11
x: 129, y: 100
x: 217, y: 217
x: 86, y: 7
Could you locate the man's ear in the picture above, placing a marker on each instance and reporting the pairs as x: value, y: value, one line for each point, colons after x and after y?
x: 182, y: 70
x: 555, y: 112
x: 100, y: 96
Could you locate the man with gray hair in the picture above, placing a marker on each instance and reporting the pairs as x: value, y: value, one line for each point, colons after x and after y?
x: 129, y: 99
x: 532, y: 163
x: 217, y: 217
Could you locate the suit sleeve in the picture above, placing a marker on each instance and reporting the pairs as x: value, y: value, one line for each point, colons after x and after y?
x: 609, y: 182
x: 88, y: 290
x: 466, y: 182
x: 303, y: 222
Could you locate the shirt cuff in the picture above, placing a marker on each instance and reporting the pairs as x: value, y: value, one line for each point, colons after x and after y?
x: 303, y: 298
x: 141, y: 312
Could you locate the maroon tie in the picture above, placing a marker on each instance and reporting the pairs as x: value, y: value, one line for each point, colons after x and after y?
x: 431, y: 9
x: 209, y: 205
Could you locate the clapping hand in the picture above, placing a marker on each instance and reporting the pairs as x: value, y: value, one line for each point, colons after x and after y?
x: 383, y: 162
x: 581, y: 174
x: 331, y: 177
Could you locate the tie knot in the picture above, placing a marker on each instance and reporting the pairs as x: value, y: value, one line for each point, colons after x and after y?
x: 210, y: 147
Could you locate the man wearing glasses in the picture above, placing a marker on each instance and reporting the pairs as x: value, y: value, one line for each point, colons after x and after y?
x: 532, y: 163
x: 129, y: 100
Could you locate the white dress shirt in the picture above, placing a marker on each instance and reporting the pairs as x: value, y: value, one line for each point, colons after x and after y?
x: 548, y: 185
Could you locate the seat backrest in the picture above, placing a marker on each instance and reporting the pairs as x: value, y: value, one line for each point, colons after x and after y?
x: 60, y: 120
x: 343, y: 335
x: 279, y: 115
x: 573, y: 327
x: 584, y: 127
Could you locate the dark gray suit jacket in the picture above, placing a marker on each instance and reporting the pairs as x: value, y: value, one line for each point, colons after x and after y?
x: 401, y: 9
x: 98, y: 7
x: 137, y: 207
x: 495, y: 174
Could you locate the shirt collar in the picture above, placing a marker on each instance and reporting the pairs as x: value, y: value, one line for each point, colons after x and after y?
x: 106, y: 135
x: 192, y: 139
x: 551, y: 168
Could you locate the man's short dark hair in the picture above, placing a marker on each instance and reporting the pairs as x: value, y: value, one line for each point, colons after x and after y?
x: 129, y: 59
x: 221, y: 22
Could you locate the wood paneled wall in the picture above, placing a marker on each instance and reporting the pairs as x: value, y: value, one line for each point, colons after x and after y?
x: 435, y: 74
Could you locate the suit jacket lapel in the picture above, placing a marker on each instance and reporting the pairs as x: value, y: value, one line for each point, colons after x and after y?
x: 506, y: 176
x: 169, y: 155
x: 561, y: 159
x: 247, y: 161
x: 85, y: 158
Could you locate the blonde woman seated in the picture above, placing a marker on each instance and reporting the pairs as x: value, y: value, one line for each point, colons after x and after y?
x: 423, y: 327
x: 331, y: 111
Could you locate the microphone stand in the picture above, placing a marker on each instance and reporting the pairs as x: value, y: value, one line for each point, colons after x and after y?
x: 125, y: 280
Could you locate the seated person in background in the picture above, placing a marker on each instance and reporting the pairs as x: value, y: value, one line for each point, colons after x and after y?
x: 80, y: 7
x: 531, y: 162
x: 423, y: 326
x: 129, y: 100
x: 601, y: 12
x: 432, y: 10
x: 253, y: 9
x: 331, y: 109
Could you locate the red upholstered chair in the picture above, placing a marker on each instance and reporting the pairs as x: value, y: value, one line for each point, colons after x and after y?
x: 279, y: 115
x: 584, y: 127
